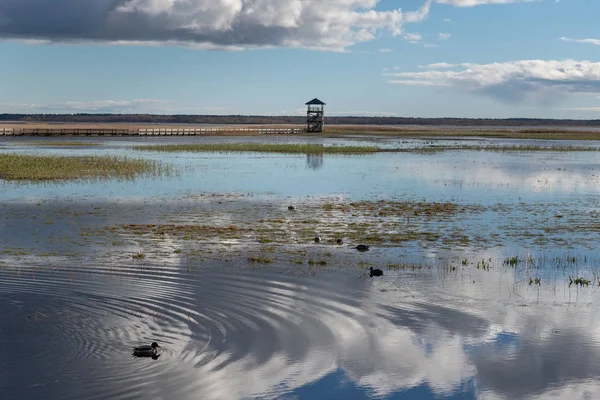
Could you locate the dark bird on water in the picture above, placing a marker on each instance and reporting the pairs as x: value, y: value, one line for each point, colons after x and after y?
x: 362, y: 247
x: 147, y: 351
x: 375, y: 272
x: 291, y: 208
x: 317, y: 239
x: 339, y: 241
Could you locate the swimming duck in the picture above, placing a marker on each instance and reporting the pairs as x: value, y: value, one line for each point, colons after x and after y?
x: 362, y: 247
x: 291, y: 208
x: 317, y: 239
x: 340, y: 241
x: 146, y: 351
x: 375, y: 272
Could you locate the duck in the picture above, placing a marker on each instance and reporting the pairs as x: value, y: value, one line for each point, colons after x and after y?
x: 317, y: 239
x: 375, y: 272
x: 362, y: 247
x: 291, y: 208
x: 340, y: 241
x: 146, y: 351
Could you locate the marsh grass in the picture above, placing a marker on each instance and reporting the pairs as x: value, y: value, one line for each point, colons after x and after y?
x: 59, y: 143
x: 382, y: 223
x: 500, y: 148
x: 261, y: 148
x: 37, y: 168
x: 433, y: 132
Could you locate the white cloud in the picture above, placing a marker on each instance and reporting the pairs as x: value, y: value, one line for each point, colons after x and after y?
x: 590, y: 109
x: 471, y: 3
x: 438, y: 65
x: 444, y: 36
x: 385, y: 50
x: 212, y: 24
x: 536, y: 80
x: 447, y: 20
x: 587, y: 41
x: 205, y: 24
x: 95, y: 106
x: 413, y: 37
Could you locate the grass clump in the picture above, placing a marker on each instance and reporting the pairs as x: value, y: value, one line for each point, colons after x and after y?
x: 512, y: 261
x: 36, y: 168
x: 579, y: 281
x: 260, y: 260
x: 288, y: 148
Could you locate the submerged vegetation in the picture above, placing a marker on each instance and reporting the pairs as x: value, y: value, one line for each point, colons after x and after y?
x: 290, y: 148
x: 382, y: 223
x: 37, y: 168
x: 263, y: 234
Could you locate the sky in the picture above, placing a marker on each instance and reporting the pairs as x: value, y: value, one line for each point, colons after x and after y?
x: 409, y: 58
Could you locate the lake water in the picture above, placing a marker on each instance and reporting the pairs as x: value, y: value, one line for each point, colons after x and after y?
x: 81, y: 283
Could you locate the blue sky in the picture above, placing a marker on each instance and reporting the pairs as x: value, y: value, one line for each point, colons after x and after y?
x: 422, y: 58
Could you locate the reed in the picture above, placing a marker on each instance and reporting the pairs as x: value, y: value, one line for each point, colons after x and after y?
x: 38, y: 168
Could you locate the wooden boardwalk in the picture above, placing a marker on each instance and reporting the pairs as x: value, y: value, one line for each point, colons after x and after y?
x: 144, y: 131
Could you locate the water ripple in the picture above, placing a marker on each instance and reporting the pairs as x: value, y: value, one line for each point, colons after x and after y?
x: 209, y: 321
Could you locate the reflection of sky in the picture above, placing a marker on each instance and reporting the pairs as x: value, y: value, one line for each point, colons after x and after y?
x: 467, y: 334
x: 428, y: 345
x: 258, y: 334
x: 462, y: 175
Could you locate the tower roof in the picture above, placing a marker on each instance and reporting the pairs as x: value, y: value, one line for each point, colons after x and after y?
x: 315, y: 101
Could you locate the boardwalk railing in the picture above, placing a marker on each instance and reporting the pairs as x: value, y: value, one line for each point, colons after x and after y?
x: 143, y: 131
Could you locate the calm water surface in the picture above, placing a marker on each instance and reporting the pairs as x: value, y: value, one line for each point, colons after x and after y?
x: 72, y: 306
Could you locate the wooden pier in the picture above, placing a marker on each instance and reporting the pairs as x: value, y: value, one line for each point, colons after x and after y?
x: 144, y: 131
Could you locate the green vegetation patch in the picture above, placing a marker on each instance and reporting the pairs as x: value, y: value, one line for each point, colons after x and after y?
x: 37, y: 168
x: 381, y: 223
x: 261, y: 147
x: 59, y: 143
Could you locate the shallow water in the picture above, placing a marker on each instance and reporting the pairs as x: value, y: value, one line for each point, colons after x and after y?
x: 73, y: 302
x: 458, y: 175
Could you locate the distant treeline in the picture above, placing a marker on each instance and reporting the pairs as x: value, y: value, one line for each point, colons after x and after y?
x: 256, y: 119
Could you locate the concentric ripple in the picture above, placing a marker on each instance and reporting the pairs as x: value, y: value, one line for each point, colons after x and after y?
x: 224, y: 318
x: 231, y: 332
